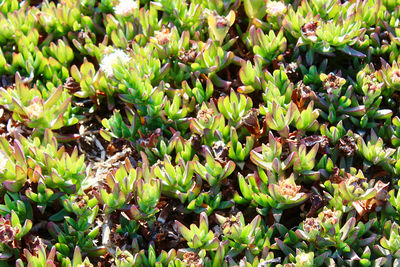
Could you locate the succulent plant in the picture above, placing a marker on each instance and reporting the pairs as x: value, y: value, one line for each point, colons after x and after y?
x: 199, y: 238
x: 234, y: 107
x: 268, y: 157
x: 12, y: 232
x: 250, y: 237
x: 207, y: 202
x: 76, y: 259
x: 266, y: 46
x: 373, y: 151
x: 300, y: 95
x: 38, y: 110
x: 77, y: 233
x: 147, y: 196
x: 213, y: 171
x: 125, y: 258
x: 390, y: 239
x: 238, y: 152
x: 219, y: 25
x: 122, y: 188
x: 177, y: 181
x: 41, y: 258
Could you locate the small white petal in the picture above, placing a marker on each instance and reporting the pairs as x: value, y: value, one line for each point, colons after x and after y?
x: 109, y: 61
x: 125, y: 7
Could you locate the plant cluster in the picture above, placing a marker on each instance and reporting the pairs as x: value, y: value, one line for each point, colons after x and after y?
x: 199, y: 133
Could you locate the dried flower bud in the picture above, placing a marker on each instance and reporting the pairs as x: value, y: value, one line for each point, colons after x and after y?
x: 301, y: 95
x: 292, y: 71
x: 250, y: 121
x: 71, y: 85
x: 220, y: 151
x: 328, y: 218
x: 304, y: 259
x: 317, y: 201
x: 230, y: 223
x: 164, y: 36
x: 288, y: 189
x: 312, y: 227
x: 310, y: 30
x: 311, y: 224
x: 395, y: 77
x: 332, y: 82
x: 347, y: 145
x: 195, y: 142
x: 335, y: 176
x: 192, y: 259
x: 219, y: 25
x: 188, y: 56
x: 205, y: 114
x: 126, y: 7
x: 322, y: 140
x: 276, y: 8
x: 381, y: 191
x: 7, y: 232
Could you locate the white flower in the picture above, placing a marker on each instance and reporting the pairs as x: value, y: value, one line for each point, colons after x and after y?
x: 3, y: 161
x: 304, y: 259
x: 35, y: 109
x: 125, y: 7
x: 109, y: 61
x: 275, y: 8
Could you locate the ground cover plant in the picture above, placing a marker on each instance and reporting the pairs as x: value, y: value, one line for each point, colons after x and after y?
x: 199, y: 133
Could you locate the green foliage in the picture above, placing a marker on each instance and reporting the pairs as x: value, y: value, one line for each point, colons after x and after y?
x: 121, y: 121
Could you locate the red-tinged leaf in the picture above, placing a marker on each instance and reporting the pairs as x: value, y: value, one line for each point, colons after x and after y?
x: 355, y: 111
x: 352, y: 52
x: 185, y: 232
x: 37, y: 175
x: 285, y: 248
x: 213, y: 245
x: 12, y: 186
x: 98, y: 197
x: 217, y: 81
x: 96, y: 252
x: 347, y: 228
x: 229, y: 168
x: 5, y: 255
x: 256, y: 158
x: 53, y: 229
x: 18, y: 107
x: 20, y: 174
x: 50, y: 263
x: 134, y: 212
x: 19, y: 152
x: 383, y: 114
x: 196, y: 242
x: 54, y: 97
x: 203, y: 226
x: 246, y: 89
x: 77, y: 258
x: 244, y: 188
x: 58, y: 122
